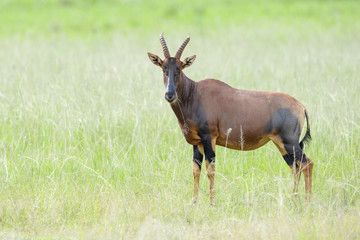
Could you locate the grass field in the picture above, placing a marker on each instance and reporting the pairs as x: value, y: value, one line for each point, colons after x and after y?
x: 91, y: 150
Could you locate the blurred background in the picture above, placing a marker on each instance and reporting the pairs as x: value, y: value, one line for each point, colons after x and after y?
x: 92, y: 18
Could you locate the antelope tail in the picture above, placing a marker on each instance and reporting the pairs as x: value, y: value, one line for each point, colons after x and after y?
x: 307, y: 136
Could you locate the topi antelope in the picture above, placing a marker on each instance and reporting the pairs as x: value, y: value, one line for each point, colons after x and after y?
x: 212, y: 113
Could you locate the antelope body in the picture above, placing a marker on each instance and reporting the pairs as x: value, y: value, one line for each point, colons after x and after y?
x: 211, y: 113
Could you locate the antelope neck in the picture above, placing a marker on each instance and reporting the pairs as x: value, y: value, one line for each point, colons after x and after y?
x: 185, y: 88
x: 186, y: 93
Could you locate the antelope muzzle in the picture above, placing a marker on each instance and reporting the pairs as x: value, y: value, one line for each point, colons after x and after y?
x: 170, y: 96
x: 170, y: 93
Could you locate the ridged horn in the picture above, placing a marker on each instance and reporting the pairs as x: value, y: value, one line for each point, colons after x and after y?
x: 164, y: 46
x: 182, y: 47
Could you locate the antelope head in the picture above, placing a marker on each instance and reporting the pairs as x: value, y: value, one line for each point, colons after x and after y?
x: 172, y: 67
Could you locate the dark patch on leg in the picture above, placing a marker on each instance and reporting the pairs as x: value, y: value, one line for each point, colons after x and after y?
x: 208, y: 150
x: 295, y: 153
x: 289, y: 159
x: 286, y: 124
x: 198, y: 157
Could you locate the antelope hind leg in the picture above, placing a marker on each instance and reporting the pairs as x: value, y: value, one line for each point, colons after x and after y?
x: 306, y: 168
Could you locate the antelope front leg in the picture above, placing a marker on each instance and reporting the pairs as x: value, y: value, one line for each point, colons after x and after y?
x: 210, y: 170
x: 208, y: 144
x: 196, y: 169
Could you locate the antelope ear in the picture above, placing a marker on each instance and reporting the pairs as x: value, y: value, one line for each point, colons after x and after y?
x: 188, y: 61
x: 155, y: 59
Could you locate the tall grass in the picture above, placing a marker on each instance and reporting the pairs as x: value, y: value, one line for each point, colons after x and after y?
x: 90, y: 149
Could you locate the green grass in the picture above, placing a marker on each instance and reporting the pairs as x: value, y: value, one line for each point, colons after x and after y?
x: 90, y: 149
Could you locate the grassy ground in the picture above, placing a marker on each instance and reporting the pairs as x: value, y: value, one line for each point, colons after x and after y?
x: 90, y: 149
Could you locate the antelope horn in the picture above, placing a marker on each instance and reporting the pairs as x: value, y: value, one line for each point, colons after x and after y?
x: 164, y: 46
x: 181, y: 49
